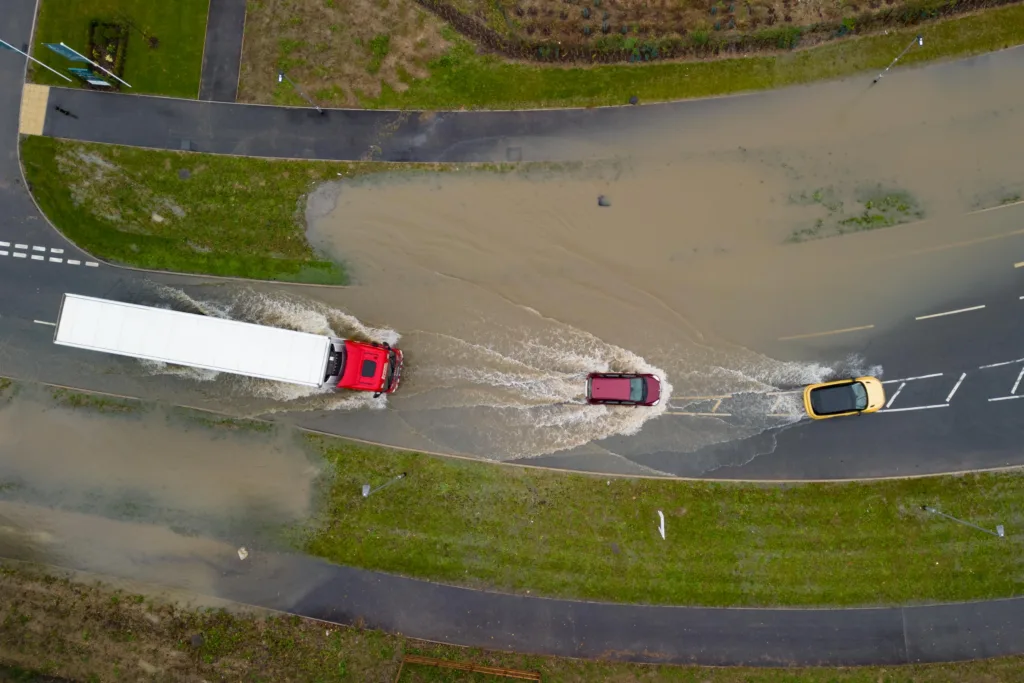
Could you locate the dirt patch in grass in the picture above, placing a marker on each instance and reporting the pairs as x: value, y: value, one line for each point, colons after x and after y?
x: 338, y: 51
x: 53, y: 626
x: 187, y: 212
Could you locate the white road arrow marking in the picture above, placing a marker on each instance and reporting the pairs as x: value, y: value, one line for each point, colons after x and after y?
x: 661, y: 528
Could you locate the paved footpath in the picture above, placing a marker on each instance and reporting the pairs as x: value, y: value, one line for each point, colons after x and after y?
x: 770, y: 637
x: 222, y: 53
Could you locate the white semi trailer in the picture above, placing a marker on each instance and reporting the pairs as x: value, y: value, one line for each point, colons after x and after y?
x: 224, y: 345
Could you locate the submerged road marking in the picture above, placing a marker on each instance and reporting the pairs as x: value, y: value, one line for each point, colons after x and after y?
x: 911, y: 379
x: 824, y: 334
x: 43, y: 322
x: 669, y: 412
x: 1018, y: 264
x: 957, y: 386
x: 996, y: 208
x: 898, y: 410
x: 893, y: 397
x: 959, y: 310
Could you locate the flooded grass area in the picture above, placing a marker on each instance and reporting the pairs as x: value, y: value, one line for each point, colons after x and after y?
x: 323, y: 48
x: 186, y: 212
x: 79, y: 629
x: 576, y: 536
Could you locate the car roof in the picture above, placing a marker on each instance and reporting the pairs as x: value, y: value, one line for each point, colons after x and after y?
x: 829, y: 400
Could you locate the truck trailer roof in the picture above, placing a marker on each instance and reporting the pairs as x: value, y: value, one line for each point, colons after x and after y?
x: 198, y: 341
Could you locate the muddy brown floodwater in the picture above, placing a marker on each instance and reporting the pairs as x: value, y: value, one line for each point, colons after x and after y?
x: 154, y: 466
x: 723, y: 232
x: 728, y: 224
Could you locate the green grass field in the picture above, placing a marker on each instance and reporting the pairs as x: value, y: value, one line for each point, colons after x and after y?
x: 463, y: 78
x: 172, y: 68
x: 555, y: 534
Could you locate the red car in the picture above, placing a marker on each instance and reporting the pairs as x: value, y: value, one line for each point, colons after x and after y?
x: 623, y: 389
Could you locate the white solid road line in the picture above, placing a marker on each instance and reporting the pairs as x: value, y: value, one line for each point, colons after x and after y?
x: 43, y: 322
x: 1005, y: 398
x: 957, y: 386
x: 668, y: 412
x: 996, y: 365
x: 897, y: 410
x: 893, y: 398
x: 1017, y: 383
x: 959, y: 310
x: 911, y: 379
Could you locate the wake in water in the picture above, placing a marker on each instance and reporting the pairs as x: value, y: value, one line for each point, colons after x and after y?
x: 521, y: 394
x: 279, y: 310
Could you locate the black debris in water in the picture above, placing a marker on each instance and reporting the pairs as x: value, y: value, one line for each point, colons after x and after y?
x: 603, y: 201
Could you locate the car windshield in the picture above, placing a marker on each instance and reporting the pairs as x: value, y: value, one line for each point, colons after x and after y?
x: 637, y: 389
x: 845, y: 398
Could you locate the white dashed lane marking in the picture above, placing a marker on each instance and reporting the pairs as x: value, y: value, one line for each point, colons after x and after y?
x: 39, y: 257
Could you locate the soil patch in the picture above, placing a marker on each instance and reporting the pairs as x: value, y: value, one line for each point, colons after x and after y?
x: 338, y: 51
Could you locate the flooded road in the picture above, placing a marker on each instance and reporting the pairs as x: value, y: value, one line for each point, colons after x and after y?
x: 707, y: 243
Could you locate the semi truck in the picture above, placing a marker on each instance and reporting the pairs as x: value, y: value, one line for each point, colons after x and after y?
x: 223, y: 345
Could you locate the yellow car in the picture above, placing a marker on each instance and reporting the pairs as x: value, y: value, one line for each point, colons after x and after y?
x: 844, y: 397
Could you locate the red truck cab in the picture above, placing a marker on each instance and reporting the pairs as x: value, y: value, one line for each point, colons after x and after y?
x: 364, y: 366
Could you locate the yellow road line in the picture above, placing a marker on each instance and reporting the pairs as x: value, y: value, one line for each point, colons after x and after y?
x: 718, y: 404
x: 825, y: 334
x: 1018, y: 264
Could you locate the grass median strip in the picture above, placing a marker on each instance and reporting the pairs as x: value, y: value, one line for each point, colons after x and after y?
x: 577, y: 536
x: 53, y: 626
x: 164, y: 41
x: 187, y: 212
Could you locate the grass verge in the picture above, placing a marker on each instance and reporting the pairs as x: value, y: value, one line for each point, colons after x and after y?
x: 462, y: 78
x: 170, y: 65
x: 52, y: 626
x: 187, y: 212
x: 555, y: 534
